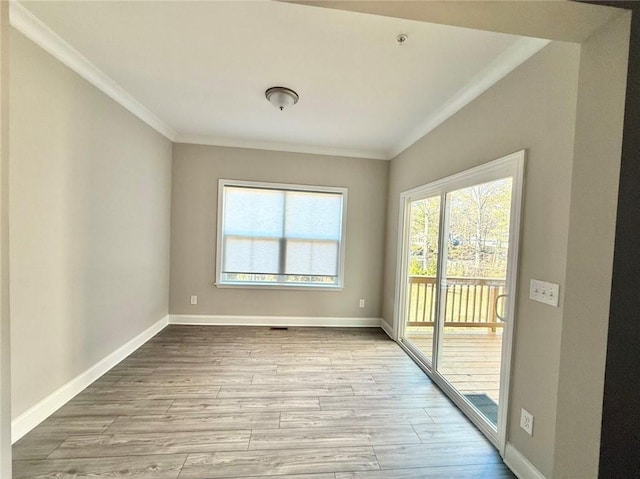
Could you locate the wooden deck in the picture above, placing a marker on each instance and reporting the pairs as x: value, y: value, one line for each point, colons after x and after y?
x: 204, y: 402
x: 470, y: 360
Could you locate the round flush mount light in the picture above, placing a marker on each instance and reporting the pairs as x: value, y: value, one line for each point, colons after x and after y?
x: 281, y: 97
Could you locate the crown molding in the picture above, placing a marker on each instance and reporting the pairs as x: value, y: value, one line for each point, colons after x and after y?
x: 273, y: 146
x: 35, y: 30
x: 501, y: 66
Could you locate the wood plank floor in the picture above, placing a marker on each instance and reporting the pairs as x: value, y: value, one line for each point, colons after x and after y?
x: 203, y: 402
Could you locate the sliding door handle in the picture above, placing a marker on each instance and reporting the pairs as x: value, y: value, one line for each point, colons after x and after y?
x: 496, y: 306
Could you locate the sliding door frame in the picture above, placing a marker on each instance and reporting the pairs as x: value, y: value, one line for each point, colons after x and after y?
x: 511, y: 165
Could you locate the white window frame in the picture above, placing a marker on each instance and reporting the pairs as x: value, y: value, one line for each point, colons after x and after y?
x: 338, y: 286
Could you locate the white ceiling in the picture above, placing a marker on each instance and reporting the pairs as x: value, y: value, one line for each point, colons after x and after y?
x: 201, y: 69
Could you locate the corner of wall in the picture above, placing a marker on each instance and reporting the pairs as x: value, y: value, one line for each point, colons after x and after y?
x: 54, y: 401
x: 519, y: 464
x: 592, y: 222
x: 387, y: 328
x: 5, y: 352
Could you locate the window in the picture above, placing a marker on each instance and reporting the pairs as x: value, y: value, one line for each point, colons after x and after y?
x: 280, y: 235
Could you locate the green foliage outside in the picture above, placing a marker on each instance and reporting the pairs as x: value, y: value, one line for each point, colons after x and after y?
x: 477, y: 243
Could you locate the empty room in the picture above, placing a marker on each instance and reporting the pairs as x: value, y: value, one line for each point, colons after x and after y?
x: 324, y: 240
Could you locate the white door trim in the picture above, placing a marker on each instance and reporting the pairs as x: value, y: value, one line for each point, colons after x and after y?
x: 509, y: 165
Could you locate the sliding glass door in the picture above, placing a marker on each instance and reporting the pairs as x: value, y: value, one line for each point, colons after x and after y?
x: 422, y: 291
x: 474, y: 280
x: 458, y: 251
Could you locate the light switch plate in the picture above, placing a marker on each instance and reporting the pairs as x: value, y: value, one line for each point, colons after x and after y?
x: 544, y: 292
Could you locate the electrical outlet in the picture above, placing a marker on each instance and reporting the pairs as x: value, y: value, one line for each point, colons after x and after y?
x: 526, y: 421
x: 361, y: 303
x: 544, y: 292
x: 194, y: 300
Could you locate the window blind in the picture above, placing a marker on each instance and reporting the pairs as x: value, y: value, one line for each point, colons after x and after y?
x: 270, y: 231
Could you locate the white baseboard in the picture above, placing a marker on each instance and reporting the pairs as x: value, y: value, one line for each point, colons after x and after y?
x: 42, y: 410
x: 386, y: 327
x: 519, y: 464
x: 225, y: 320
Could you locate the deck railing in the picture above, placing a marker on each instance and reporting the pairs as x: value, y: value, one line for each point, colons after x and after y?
x: 470, y: 302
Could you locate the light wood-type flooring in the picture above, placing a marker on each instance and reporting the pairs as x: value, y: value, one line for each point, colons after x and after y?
x: 204, y: 402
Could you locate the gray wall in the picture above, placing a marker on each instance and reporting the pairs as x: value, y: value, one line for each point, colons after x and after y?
x: 534, y: 108
x: 90, y: 207
x: 592, y: 218
x: 5, y: 352
x: 565, y: 106
x: 89, y: 218
x: 196, y: 170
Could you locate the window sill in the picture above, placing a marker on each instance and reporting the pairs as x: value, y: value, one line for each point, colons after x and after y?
x: 298, y: 287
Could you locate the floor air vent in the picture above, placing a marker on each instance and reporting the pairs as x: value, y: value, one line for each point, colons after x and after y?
x: 279, y: 328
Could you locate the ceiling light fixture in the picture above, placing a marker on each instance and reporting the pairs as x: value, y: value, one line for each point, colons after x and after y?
x: 281, y: 97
